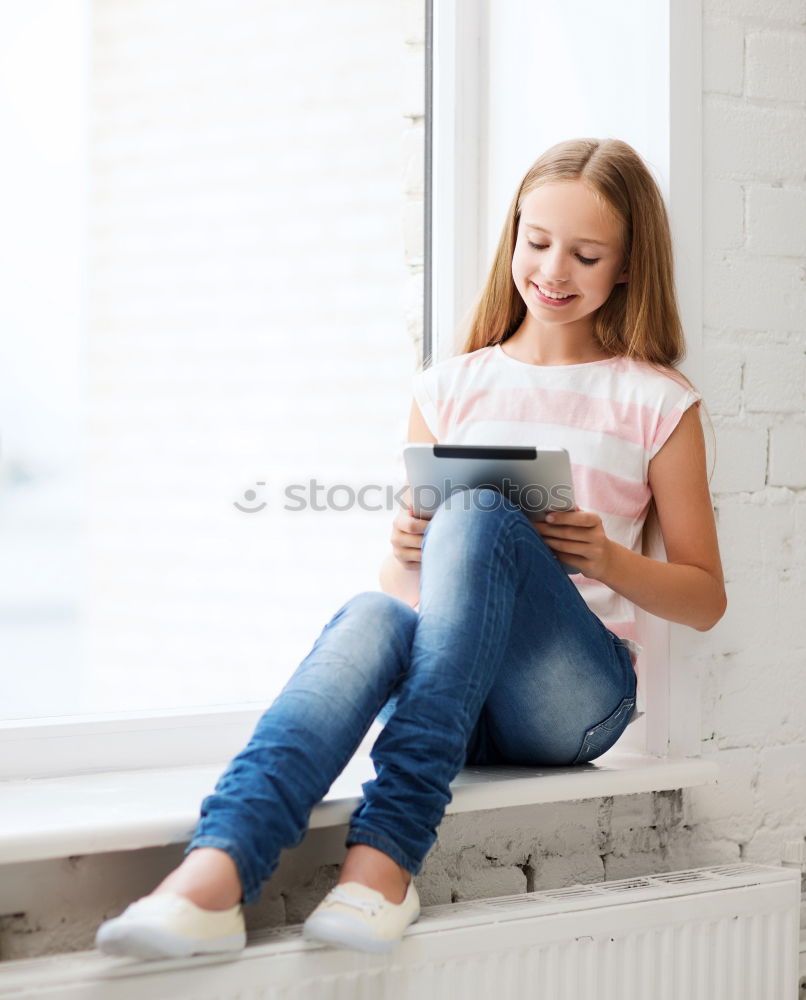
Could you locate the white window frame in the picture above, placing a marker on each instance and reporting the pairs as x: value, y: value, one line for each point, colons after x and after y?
x: 466, y: 54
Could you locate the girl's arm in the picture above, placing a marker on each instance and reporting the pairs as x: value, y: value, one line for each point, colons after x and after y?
x: 689, y: 588
x: 400, y: 570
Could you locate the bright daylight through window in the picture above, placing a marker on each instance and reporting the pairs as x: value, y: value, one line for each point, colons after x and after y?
x: 207, y: 338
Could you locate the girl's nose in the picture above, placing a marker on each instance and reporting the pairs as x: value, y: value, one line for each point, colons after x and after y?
x: 555, y: 267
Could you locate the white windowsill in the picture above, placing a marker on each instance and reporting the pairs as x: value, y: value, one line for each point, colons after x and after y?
x: 126, y: 810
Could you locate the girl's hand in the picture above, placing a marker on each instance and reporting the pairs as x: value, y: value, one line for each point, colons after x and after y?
x: 407, y: 538
x: 578, y: 537
x: 408, y: 530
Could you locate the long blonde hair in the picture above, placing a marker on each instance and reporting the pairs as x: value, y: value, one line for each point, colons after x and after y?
x: 640, y: 319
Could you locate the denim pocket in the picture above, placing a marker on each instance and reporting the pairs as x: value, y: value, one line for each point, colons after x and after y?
x: 599, y: 738
x: 628, y: 656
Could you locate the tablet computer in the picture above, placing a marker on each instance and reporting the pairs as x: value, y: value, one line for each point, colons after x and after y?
x: 537, y: 480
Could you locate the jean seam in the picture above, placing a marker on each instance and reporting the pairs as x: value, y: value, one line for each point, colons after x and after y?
x: 510, y: 547
x: 625, y: 707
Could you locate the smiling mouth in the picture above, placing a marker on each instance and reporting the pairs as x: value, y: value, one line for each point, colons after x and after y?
x: 549, y: 296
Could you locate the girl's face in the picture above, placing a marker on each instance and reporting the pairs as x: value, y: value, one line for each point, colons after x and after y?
x: 569, y: 245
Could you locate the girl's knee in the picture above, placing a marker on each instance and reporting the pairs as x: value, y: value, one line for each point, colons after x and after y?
x: 377, y: 609
x: 479, y: 500
x: 483, y: 506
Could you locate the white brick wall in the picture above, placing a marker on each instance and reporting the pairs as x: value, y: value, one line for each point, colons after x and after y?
x: 722, y: 382
x: 755, y: 346
x: 775, y: 61
x: 723, y: 69
x: 775, y: 378
x: 751, y: 13
x: 741, y: 458
x: 723, y: 210
x: 776, y: 220
x: 753, y: 141
x: 788, y: 456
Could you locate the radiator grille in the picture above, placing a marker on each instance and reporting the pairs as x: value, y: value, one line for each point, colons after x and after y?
x: 723, y: 933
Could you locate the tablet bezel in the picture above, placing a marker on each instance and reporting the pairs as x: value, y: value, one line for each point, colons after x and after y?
x: 540, y: 478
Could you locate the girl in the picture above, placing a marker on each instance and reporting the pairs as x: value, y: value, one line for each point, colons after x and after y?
x: 481, y: 648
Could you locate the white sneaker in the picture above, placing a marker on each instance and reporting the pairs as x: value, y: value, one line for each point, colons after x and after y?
x: 170, y: 926
x: 354, y: 916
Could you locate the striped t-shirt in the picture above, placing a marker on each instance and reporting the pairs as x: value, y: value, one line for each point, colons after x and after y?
x: 612, y: 416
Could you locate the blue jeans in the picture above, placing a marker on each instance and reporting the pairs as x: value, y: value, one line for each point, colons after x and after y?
x: 503, y: 664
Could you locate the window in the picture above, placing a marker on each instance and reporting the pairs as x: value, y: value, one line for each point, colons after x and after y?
x: 197, y: 343
x: 240, y: 357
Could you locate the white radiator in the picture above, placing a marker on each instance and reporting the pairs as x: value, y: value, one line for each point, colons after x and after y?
x: 724, y: 933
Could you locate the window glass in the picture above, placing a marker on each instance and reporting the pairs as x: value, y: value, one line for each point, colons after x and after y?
x: 205, y: 346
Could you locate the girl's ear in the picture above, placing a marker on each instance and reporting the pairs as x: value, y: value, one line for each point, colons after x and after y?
x: 624, y: 276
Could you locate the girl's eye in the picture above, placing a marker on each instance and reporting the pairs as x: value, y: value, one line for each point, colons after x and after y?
x: 583, y: 260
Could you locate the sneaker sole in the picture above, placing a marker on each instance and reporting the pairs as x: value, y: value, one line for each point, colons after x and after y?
x: 153, y: 943
x: 340, y: 933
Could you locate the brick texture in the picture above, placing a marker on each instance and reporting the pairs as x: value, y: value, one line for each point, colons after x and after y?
x: 776, y: 221
x: 775, y: 61
x: 755, y: 298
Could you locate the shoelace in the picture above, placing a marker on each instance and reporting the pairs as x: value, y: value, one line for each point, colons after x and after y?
x: 368, y: 905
